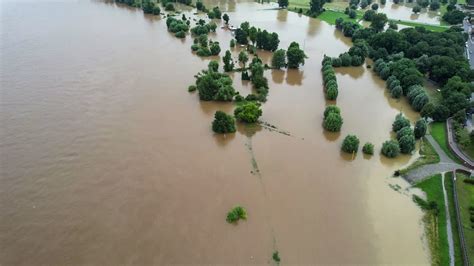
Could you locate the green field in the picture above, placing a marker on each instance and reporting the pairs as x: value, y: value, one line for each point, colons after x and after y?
x: 435, y: 225
x: 330, y: 17
x: 449, y: 183
x: 438, y: 131
x: 466, y: 199
x: 428, y: 155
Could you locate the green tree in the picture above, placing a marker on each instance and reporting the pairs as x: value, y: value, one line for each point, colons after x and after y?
x: 316, y: 6
x: 396, y: 92
x: 331, y: 109
x: 295, y: 56
x: 213, y: 66
x: 279, y: 59
x: 243, y: 58
x: 223, y: 123
x: 241, y: 36
x: 333, y: 122
x: 427, y: 110
x: 407, y: 143
x: 420, y: 128
x: 368, y: 148
x: 228, y: 62
x: 350, y: 144
x: 226, y: 18
x: 390, y: 148
x: 248, y: 112
x: 283, y: 3
x: 215, y: 48
x: 169, y: 7
x: 400, y: 122
x: 214, y: 86
x: 378, y: 21
x: 416, y: 9
x: 375, y: 6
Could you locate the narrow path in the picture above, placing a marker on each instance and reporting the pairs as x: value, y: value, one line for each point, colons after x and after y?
x: 445, y: 165
x: 448, y: 224
x: 454, y: 147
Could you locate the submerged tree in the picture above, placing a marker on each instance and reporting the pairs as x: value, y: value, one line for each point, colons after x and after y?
x: 350, y: 144
x: 223, y: 123
x: 248, y: 112
x: 295, y: 55
x: 279, y: 59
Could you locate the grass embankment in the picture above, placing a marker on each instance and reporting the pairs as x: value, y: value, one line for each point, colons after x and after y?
x: 438, y: 131
x: 435, y: 224
x: 426, y: 26
x: 466, y: 200
x: 335, y: 10
x: 449, y: 183
x: 428, y: 155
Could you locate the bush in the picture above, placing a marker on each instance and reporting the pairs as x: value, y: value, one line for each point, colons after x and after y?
x: 192, y: 88
x: 223, y: 123
x: 368, y: 148
x: 236, y: 214
x: 248, y: 112
x: 390, y: 148
x: 350, y: 144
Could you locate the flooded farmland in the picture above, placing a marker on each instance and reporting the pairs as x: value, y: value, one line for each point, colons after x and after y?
x: 106, y: 158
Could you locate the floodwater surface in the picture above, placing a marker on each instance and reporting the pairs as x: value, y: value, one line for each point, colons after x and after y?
x: 107, y: 159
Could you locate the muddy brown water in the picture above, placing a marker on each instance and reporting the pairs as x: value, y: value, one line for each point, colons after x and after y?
x: 107, y: 159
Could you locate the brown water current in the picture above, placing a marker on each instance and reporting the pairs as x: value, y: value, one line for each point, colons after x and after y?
x: 107, y: 159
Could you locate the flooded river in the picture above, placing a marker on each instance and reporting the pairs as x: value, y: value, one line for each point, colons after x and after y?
x: 107, y: 159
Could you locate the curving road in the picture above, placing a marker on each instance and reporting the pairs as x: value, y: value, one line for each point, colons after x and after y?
x: 445, y: 165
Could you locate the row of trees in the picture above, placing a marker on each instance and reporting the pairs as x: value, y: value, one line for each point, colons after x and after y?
x: 261, y: 39
x: 329, y: 78
x: 406, y: 136
x: 204, y: 48
x: 247, y: 112
x: 404, y: 58
x: 350, y: 144
x: 178, y: 27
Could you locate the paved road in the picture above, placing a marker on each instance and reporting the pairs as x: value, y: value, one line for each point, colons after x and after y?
x: 445, y: 165
x: 448, y: 225
x: 470, y: 45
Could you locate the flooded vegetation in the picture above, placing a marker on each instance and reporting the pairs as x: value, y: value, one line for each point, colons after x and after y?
x: 108, y: 159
